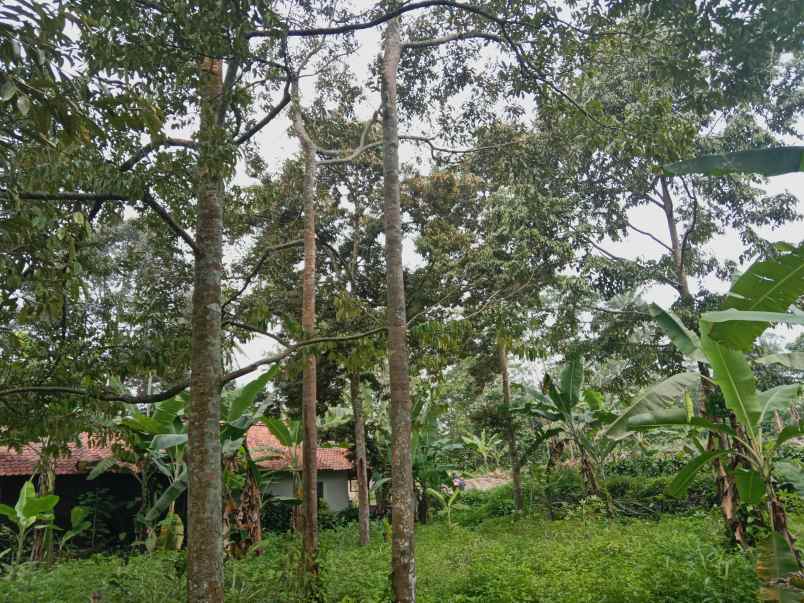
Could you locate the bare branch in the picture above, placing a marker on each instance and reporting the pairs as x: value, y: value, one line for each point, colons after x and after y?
x: 148, y: 200
x: 469, y: 35
x: 110, y: 396
x: 434, y: 148
x: 265, y: 255
x: 273, y: 358
x: 649, y: 235
x: 70, y: 196
x: 103, y: 395
x: 248, y: 134
x: 352, y: 155
x: 251, y: 328
x: 342, y: 29
x: 151, y: 147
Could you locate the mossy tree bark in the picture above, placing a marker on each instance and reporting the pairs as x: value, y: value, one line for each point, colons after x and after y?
x: 403, y: 561
x: 204, y: 494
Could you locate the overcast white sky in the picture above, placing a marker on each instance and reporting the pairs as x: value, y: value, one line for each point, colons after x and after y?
x: 277, y: 146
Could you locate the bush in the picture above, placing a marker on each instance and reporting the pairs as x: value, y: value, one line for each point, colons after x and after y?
x: 646, y: 465
x: 277, y: 516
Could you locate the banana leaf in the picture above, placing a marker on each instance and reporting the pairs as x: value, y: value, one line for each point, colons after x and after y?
x: 686, y: 341
x: 768, y: 288
x: 658, y: 397
x: 678, y: 487
x: 791, y: 360
x: 163, y: 503
x: 735, y: 379
x: 768, y: 162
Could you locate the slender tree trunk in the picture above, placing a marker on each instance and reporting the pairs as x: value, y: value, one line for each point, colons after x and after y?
x: 204, y: 512
x: 403, y: 563
x: 42, y: 549
x: 423, y: 508
x: 510, y: 430
x: 360, y: 459
x: 724, y: 480
x: 555, y: 448
x: 309, y: 394
x: 675, y: 243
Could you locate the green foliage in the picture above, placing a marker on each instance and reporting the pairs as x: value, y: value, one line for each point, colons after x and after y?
x: 674, y: 560
x: 79, y: 523
x: 103, y: 508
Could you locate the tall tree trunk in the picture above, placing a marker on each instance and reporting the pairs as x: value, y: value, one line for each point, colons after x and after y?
x: 403, y: 561
x: 510, y: 430
x: 204, y: 513
x: 360, y: 459
x: 309, y: 394
x: 724, y: 480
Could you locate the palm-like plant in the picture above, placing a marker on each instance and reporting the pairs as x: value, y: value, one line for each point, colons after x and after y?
x: 760, y: 296
x: 576, y: 414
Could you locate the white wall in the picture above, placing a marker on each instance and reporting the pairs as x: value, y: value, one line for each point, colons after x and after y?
x: 335, y: 483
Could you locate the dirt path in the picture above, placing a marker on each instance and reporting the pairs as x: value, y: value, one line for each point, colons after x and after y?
x: 487, y: 482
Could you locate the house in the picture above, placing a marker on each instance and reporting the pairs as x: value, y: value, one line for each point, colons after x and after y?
x: 334, y: 470
x: 334, y: 467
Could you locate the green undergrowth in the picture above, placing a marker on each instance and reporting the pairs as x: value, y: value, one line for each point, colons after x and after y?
x: 505, y: 559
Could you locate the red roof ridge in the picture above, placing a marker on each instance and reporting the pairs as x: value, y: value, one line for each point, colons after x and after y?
x: 81, y: 458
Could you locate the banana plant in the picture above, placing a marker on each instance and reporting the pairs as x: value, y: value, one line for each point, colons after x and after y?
x: 486, y: 445
x: 762, y: 295
x: 448, y: 502
x: 79, y: 523
x: 291, y: 436
x: 577, y: 415
x: 28, y: 513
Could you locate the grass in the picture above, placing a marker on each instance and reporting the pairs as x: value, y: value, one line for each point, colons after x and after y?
x: 504, y: 559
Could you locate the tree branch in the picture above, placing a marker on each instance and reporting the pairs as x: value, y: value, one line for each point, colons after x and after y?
x: 71, y: 196
x: 160, y: 211
x: 342, y: 29
x: 249, y: 368
x: 152, y: 146
x: 251, y: 328
x: 248, y: 134
x: 110, y: 396
x: 451, y: 38
x: 647, y: 234
x: 147, y: 199
x: 268, y: 251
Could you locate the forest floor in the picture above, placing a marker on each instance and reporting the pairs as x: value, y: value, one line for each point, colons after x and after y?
x: 581, y: 559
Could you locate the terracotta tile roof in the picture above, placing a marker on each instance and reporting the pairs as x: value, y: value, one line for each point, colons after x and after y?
x: 262, y: 443
x: 81, y: 459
